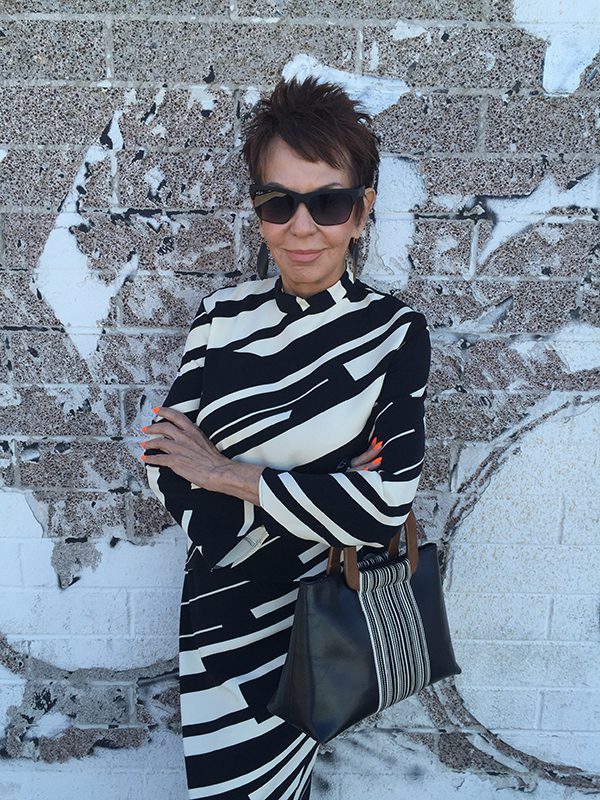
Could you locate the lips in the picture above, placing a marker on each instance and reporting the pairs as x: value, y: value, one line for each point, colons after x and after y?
x: 303, y: 256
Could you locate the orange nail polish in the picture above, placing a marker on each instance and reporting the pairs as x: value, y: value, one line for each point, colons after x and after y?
x: 378, y: 445
x: 155, y: 410
x: 144, y: 429
x: 143, y: 457
x: 377, y: 460
x: 373, y: 441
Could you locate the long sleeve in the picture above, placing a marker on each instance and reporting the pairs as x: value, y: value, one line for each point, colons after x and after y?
x: 365, y: 507
x: 173, y: 491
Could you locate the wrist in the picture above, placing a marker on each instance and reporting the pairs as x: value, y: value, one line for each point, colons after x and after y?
x: 237, y: 479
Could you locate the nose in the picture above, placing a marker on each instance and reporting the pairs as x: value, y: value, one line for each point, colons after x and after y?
x: 302, y: 223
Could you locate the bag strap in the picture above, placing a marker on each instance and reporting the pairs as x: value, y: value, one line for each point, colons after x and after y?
x: 351, y: 573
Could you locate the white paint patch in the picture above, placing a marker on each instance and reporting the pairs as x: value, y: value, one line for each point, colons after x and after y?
x: 3, y: 154
x: 400, y: 189
x: 251, y: 96
x: 201, y: 96
x: 403, y: 30
x: 529, y: 550
x: 18, y: 519
x: 78, y: 297
x: 374, y: 57
x: 572, y: 30
x: 578, y: 346
x: 154, y: 177
x: 375, y: 94
x: 401, y: 186
x: 514, y: 215
x: 49, y: 725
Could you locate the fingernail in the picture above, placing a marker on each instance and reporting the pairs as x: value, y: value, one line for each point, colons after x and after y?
x: 142, y: 457
x: 377, y: 460
x: 378, y: 445
x: 373, y: 440
x: 142, y: 445
x: 155, y: 410
x: 144, y: 429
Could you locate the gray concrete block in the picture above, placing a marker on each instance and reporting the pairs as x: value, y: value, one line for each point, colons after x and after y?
x: 455, y: 57
x: 430, y: 123
x: 56, y: 411
x: 53, y: 50
x: 174, y: 181
x: 546, y: 124
x: 198, y: 116
x: 148, y: 50
x: 363, y: 9
x: 43, y: 115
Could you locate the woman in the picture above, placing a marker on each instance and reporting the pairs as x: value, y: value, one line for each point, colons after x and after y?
x: 295, y: 423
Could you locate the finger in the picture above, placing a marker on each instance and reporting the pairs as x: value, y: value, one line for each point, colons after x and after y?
x: 368, y: 455
x: 371, y: 465
x: 177, y: 418
x: 159, y: 443
x: 167, y: 429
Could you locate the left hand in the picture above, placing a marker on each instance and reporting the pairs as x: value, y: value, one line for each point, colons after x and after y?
x: 186, y: 449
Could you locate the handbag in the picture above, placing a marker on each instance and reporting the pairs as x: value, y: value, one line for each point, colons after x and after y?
x: 365, y: 638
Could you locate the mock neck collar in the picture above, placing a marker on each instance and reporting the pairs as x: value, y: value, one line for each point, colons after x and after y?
x: 321, y: 301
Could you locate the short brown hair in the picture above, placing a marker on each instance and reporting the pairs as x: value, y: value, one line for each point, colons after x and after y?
x: 320, y: 122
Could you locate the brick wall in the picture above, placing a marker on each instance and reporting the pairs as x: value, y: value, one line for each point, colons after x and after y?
x: 122, y: 201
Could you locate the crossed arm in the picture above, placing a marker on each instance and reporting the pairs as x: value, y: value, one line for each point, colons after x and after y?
x: 187, y: 451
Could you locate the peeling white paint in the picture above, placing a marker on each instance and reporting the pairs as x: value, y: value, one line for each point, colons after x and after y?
x: 400, y: 189
x: 251, y: 96
x: 9, y: 396
x: 572, y: 30
x: 200, y: 95
x: 374, y: 57
x: 403, y: 30
x: 375, y: 94
x: 154, y: 177
x: 78, y: 297
x: 578, y: 346
x: 49, y: 725
x: 513, y: 215
x: 18, y: 518
x: 401, y: 186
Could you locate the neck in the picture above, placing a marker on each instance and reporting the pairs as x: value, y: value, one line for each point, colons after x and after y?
x: 306, y: 289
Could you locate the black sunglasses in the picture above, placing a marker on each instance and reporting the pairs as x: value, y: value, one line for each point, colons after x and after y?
x: 326, y: 206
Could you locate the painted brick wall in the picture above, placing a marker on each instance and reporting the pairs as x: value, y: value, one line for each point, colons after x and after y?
x: 122, y: 201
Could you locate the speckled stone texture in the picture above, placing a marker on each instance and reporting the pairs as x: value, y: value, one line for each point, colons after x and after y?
x: 455, y: 57
x: 121, y: 173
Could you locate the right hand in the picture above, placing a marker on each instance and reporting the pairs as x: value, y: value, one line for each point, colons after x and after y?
x: 369, y: 460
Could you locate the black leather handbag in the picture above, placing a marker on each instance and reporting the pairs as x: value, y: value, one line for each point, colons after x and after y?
x: 365, y: 638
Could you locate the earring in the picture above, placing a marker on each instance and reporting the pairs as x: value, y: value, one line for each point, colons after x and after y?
x: 262, y: 261
x: 354, y: 255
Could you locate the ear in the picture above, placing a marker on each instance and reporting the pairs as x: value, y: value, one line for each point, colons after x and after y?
x: 368, y: 202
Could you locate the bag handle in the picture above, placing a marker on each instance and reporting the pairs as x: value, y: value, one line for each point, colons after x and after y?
x: 351, y: 572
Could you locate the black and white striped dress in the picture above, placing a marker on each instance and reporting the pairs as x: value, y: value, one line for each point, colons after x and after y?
x: 300, y: 386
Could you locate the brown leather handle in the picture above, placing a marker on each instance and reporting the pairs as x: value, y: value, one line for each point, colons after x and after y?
x: 351, y: 559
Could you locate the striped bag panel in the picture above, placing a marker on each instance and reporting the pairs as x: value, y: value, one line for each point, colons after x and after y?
x: 395, y: 628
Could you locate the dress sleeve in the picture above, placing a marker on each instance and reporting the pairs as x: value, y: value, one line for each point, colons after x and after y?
x: 173, y: 491
x: 364, y: 507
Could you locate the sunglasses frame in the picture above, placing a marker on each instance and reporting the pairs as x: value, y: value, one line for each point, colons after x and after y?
x: 257, y: 189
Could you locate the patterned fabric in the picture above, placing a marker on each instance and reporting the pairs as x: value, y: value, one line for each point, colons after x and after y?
x: 300, y: 386
x: 395, y: 628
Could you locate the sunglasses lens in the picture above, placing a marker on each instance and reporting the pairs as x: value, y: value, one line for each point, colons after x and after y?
x: 325, y: 207
x: 331, y: 208
x: 276, y: 207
